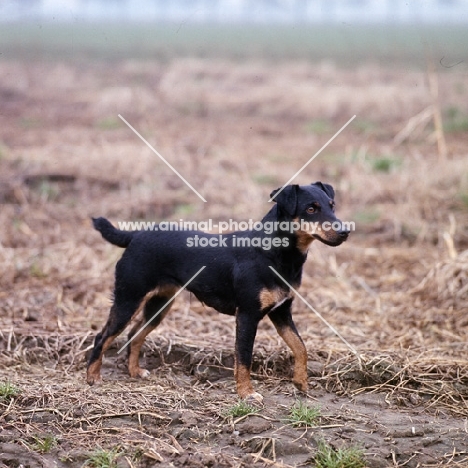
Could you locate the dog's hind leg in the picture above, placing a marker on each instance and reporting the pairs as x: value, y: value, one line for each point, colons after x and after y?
x: 119, y: 316
x: 155, y: 309
x: 284, y: 324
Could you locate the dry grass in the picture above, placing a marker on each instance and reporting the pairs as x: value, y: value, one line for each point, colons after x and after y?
x: 398, y: 290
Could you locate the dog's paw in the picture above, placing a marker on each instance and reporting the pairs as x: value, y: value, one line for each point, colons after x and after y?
x: 144, y: 374
x: 139, y: 373
x: 94, y: 380
x: 301, y: 385
x: 254, y: 399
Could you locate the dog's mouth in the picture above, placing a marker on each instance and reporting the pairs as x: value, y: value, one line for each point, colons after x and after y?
x: 335, y: 241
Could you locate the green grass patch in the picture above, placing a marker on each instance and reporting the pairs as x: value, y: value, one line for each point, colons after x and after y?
x: 103, y: 458
x: 109, y: 123
x: 368, y: 216
x: 43, y: 444
x: 318, y: 127
x: 463, y: 196
x: 364, y: 126
x: 3, y: 152
x: 36, y: 271
x: 334, y: 159
x: 8, y: 391
x: 265, y: 179
x: 184, y: 209
x: 28, y: 123
x: 303, y: 415
x: 241, y: 408
x: 385, y: 164
x: 48, y: 191
x: 328, y: 457
x: 455, y: 120
x: 382, y: 165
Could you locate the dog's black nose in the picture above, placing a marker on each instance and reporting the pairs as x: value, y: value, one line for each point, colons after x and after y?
x: 344, y: 233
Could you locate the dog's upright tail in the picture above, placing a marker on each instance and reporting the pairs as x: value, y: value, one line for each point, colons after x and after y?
x: 111, y: 234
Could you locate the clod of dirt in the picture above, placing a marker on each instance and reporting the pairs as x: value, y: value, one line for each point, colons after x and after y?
x: 253, y: 425
x: 184, y: 433
x: 15, y: 455
x: 315, y: 368
x: 189, y: 418
x: 286, y: 447
x: 197, y: 460
x: 280, y: 447
x: 377, y: 461
x: 413, y: 431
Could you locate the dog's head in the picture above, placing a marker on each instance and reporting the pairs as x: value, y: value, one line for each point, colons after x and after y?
x: 313, y: 206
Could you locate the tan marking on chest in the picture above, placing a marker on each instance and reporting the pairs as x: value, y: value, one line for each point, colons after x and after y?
x: 304, y: 239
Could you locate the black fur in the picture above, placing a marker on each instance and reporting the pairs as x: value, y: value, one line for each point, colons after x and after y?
x: 233, y: 279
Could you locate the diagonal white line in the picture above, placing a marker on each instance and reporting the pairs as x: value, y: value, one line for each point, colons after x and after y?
x: 312, y: 158
x: 162, y: 158
x: 333, y: 329
x: 161, y: 309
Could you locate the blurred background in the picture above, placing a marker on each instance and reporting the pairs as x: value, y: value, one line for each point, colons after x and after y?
x: 245, y: 11
x: 237, y: 95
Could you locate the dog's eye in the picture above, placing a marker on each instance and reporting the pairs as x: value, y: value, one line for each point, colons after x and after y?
x: 332, y: 204
x: 311, y: 209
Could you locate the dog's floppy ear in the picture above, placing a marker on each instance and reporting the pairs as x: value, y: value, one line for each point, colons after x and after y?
x: 327, y: 188
x: 286, y: 199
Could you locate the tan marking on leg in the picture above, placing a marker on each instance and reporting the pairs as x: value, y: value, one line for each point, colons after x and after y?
x: 134, y: 368
x: 163, y: 291
x: 242, y: 376
x: 299, y: 351
x: 93, y: 373
x: 167, y: 290
x: 270, y: 297
x: 244, y: 385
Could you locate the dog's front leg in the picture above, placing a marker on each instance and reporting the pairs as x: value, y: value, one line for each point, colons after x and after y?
x: 284, y: 324
x: 246, y: 330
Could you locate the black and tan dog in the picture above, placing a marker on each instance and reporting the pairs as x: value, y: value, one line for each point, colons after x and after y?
x: 237, y: 280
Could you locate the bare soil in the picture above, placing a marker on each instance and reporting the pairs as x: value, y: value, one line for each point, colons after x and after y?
x: 397, y: 290
x: 179, y: 416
